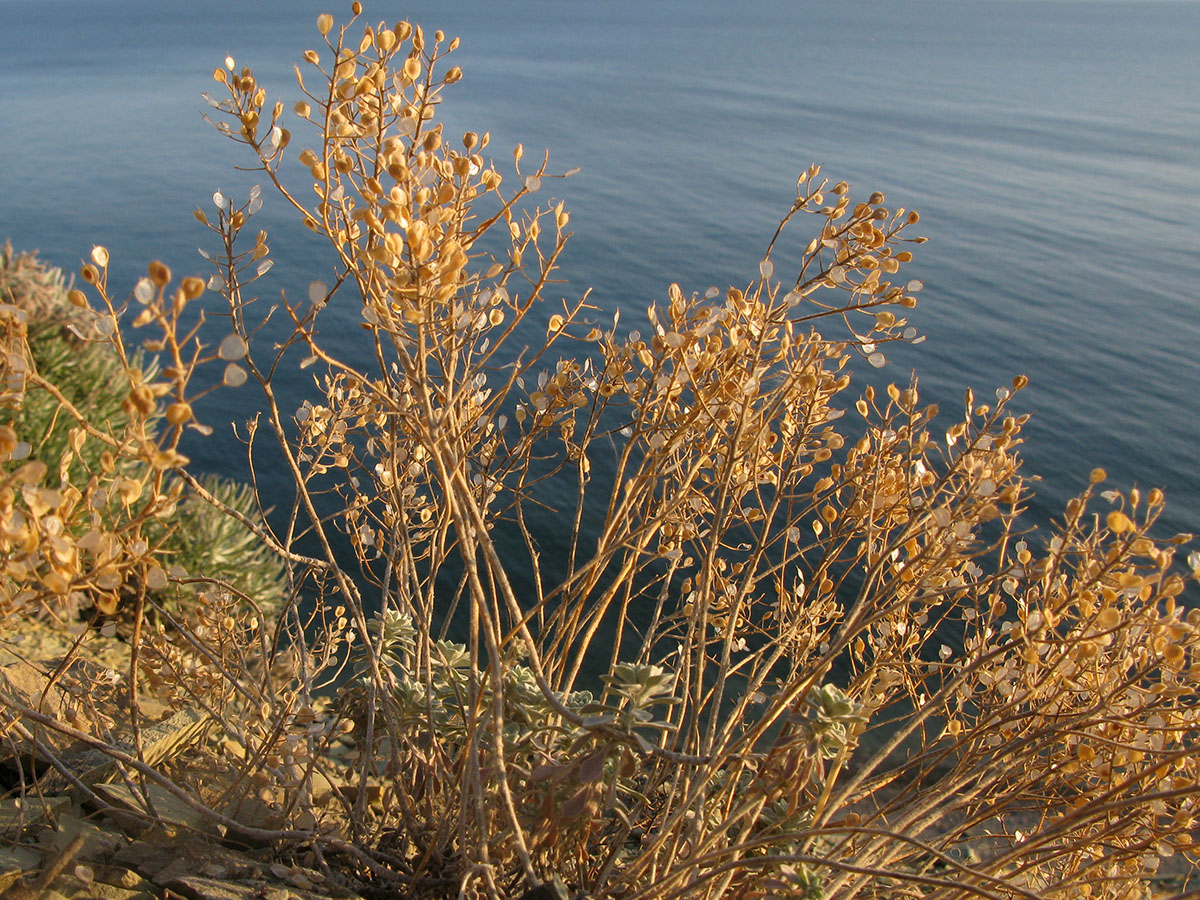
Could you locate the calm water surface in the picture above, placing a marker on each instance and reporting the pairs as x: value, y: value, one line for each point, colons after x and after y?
x: 1053, y: 149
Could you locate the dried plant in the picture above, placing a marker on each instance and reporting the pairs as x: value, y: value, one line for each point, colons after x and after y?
x: 87, y: 378
x: 831, y: 661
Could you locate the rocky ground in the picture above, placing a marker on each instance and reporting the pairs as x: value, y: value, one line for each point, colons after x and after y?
x: 59, y: 843
x: 106, y: 838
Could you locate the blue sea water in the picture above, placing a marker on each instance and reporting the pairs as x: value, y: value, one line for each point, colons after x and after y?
x: 1052, y: 147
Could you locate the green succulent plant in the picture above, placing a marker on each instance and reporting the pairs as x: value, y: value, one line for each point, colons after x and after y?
x: 203, y: 540
x: 200, y: 539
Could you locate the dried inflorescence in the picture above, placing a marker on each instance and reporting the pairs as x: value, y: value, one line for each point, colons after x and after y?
x: 791, y: 640
x: 77, y: 523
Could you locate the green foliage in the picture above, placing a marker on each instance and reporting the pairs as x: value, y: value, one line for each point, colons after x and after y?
x: 831, y: 719
x: 87, y: 372
x: 202, y: 539
x: 420, y: 695
x: 196, y: 538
